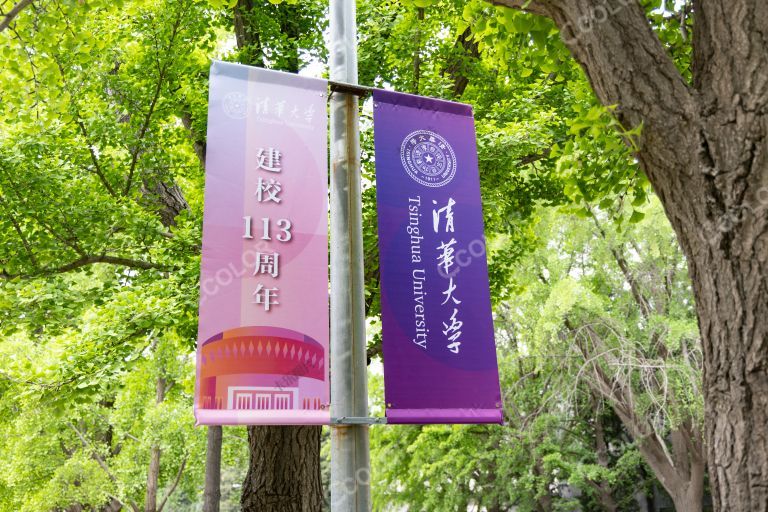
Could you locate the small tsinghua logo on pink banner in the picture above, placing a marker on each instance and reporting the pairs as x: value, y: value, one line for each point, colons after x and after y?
x: 262, y: 352
x: 235, y: 105
x: 428, y: 158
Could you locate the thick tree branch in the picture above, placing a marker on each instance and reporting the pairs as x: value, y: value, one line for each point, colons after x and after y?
x: 467, y: 49
x: 629, y: 68
x: 83, y: 262
x: 15, y: 10
x: 534, y: 157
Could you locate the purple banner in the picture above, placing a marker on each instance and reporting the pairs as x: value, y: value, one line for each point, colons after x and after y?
x: 439, y: 349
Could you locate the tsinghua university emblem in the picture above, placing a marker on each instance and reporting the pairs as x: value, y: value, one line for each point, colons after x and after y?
x: 428, y: 158
x: 235, y: 105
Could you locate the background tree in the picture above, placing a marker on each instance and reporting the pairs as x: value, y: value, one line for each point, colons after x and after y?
x: 549, y: 144
x: 102, y: 143
x: 696, y: 101
x: 96, y: 252
x: 639, y: 349
x: 599, y: 397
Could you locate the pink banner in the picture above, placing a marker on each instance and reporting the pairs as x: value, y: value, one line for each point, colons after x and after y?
x: 262, y: 353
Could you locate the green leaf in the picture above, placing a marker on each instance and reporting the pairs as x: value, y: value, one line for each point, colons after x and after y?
x: 523, y: 23
x: 636, y: 217
x: 468, y: 13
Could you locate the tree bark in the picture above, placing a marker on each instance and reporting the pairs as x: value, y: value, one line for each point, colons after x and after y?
x: 603, y: 488
x: 690, y: 498
x: 466, y: 49
x: 212, y: 493
x: 11, y: 15
x: 284, y: 473
x: 153, y: 474
x: 114, y: 505
x: 417, y: 51
x: 704, y: 148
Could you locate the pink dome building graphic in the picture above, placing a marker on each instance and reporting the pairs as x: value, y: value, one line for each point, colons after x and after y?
x: 260, y: 368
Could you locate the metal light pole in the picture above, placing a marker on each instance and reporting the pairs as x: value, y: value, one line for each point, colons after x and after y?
x: 350, y: 460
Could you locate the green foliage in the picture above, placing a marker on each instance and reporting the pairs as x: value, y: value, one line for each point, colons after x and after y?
x: 562, y: 444
x: 91, y: 140
x: 102, y: 132
x: 279, y: 34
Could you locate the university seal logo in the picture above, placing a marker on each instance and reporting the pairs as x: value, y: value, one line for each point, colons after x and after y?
x: 428, y: 158
x: 235, y: 105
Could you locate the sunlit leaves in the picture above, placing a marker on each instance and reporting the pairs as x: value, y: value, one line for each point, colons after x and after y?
x: 93, y: 127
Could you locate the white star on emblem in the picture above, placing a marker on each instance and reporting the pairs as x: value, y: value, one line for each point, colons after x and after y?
x: 428, y: 158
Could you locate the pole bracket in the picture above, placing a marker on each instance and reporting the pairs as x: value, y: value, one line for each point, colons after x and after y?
x: 359, y: 420
x: 345, y: 88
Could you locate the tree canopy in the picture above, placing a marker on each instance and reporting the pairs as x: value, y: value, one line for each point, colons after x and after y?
x: 102, y: 153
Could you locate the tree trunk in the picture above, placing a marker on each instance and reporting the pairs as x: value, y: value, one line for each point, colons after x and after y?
x: 729, y: 263
x: 603, y: 488
x: 212, y: 493
x: 732, y: 304
x: 284, y: 470
x: 704, y: 148
x: 284, y: 473
x: 417, y: 52
x: 690, y: 499
x: 153, y: 474
x: 544, y: 501
x: 114, y: 505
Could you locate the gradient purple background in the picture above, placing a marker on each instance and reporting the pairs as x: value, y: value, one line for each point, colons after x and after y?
x: 433, y: 385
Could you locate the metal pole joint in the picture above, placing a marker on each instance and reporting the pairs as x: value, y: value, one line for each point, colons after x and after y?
x: 359, y: 420
x: 345, y: 88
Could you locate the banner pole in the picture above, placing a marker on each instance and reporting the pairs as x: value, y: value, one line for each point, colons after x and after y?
x: 350, y: 459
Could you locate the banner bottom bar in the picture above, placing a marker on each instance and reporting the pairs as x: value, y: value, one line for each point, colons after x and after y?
x: 429, y: 416
x: 261, y: 417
